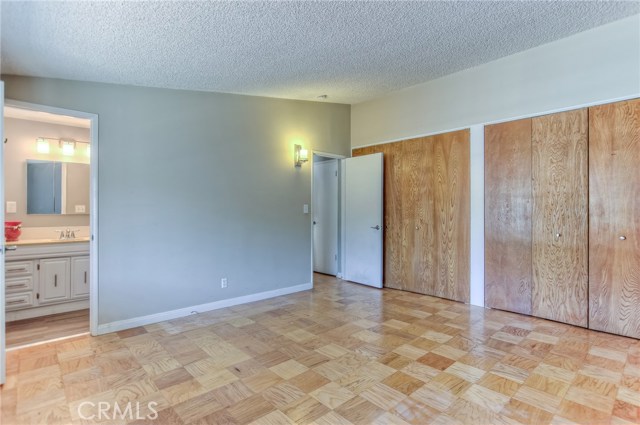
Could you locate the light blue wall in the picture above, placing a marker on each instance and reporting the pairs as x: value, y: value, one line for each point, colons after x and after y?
x: 196, y: 186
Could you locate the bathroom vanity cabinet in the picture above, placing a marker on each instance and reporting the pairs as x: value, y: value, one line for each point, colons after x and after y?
x: 47, y: 278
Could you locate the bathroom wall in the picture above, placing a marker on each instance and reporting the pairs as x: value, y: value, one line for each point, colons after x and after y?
x: 195, y: 187
x: 21, y: 138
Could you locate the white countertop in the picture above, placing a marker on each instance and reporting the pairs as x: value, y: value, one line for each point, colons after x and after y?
x: 46, y: 241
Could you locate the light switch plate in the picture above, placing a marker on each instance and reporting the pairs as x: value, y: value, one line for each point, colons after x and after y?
x: 11, y: 207
x: 305, y: 208
x: 80, y: 209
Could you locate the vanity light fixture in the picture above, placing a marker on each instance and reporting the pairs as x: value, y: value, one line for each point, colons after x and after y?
x: 300, y: 156
x: 42, y: 145
x: 68, y: 147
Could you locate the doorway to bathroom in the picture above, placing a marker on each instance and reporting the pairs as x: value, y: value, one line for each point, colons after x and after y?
x: 326, y: 215
x: 50, y: 213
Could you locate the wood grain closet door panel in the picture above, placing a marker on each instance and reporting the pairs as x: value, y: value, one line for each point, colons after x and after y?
x: 450, y: 167
x: 393, y: 272
x: 417, y: 215
x: 614, y: 208
x: 507, y: 234
x: 560, y: 217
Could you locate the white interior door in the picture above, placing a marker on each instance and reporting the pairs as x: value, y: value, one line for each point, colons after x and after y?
x: 325, y: 217
x: 363, y: 219
x: 3, y: 354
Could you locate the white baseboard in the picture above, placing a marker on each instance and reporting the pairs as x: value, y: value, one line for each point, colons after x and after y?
x: 183, y: 312
x: 46, y: 310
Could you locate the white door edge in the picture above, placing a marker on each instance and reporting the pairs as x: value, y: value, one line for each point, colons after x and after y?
x: 364, y: 221
x: 3, y: 328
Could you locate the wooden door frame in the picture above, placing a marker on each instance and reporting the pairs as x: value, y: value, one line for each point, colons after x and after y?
x: 93, y: 195
x: 340, y: 209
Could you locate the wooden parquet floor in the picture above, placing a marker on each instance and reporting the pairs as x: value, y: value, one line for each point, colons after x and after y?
x: 46, y: 328
x: 340, y: 354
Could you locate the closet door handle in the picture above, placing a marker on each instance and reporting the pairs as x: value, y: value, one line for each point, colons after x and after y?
x: 55, y: 280
x: 85, y: 278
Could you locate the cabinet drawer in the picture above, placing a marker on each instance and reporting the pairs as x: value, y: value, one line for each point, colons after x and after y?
x: 18, y: 268
x: 18, y: 284
x: 18, y: 301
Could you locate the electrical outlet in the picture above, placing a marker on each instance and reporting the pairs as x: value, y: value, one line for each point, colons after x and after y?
x: 223, y: 282
x: 11, y: 207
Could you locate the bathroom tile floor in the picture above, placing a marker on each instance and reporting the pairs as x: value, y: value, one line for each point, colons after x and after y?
x: 339, y: 354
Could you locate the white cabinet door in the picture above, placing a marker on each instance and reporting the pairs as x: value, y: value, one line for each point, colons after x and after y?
x: 54, y: 280
x: 79, y: 277
x: 363, y: 219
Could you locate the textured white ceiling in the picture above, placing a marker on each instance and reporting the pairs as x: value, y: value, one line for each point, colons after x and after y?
x: 351, y: 51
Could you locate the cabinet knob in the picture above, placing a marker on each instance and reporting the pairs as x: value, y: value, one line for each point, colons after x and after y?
x: 558, y: 235
x: 622, y: 238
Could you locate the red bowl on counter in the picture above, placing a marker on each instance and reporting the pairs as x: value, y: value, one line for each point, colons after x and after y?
x: 12, y: 230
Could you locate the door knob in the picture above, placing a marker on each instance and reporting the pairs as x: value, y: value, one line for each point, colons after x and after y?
x: 622, y: 238
x: 376, y: 227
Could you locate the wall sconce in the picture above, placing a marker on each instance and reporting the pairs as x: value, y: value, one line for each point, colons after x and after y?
x: 68, y: 148
x: 42, y: 145
x: 300, y: 156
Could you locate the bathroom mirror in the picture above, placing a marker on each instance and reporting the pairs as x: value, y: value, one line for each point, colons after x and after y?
x: 57, y: 187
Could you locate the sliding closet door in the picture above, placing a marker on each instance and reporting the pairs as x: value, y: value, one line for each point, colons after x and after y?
x: 417, y: 194
x: 393, y: 271
x: 427, y: 214
x: 451, y: 197
x: 507, y: 234
x: 614, y: 207
x: 560, y: 217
